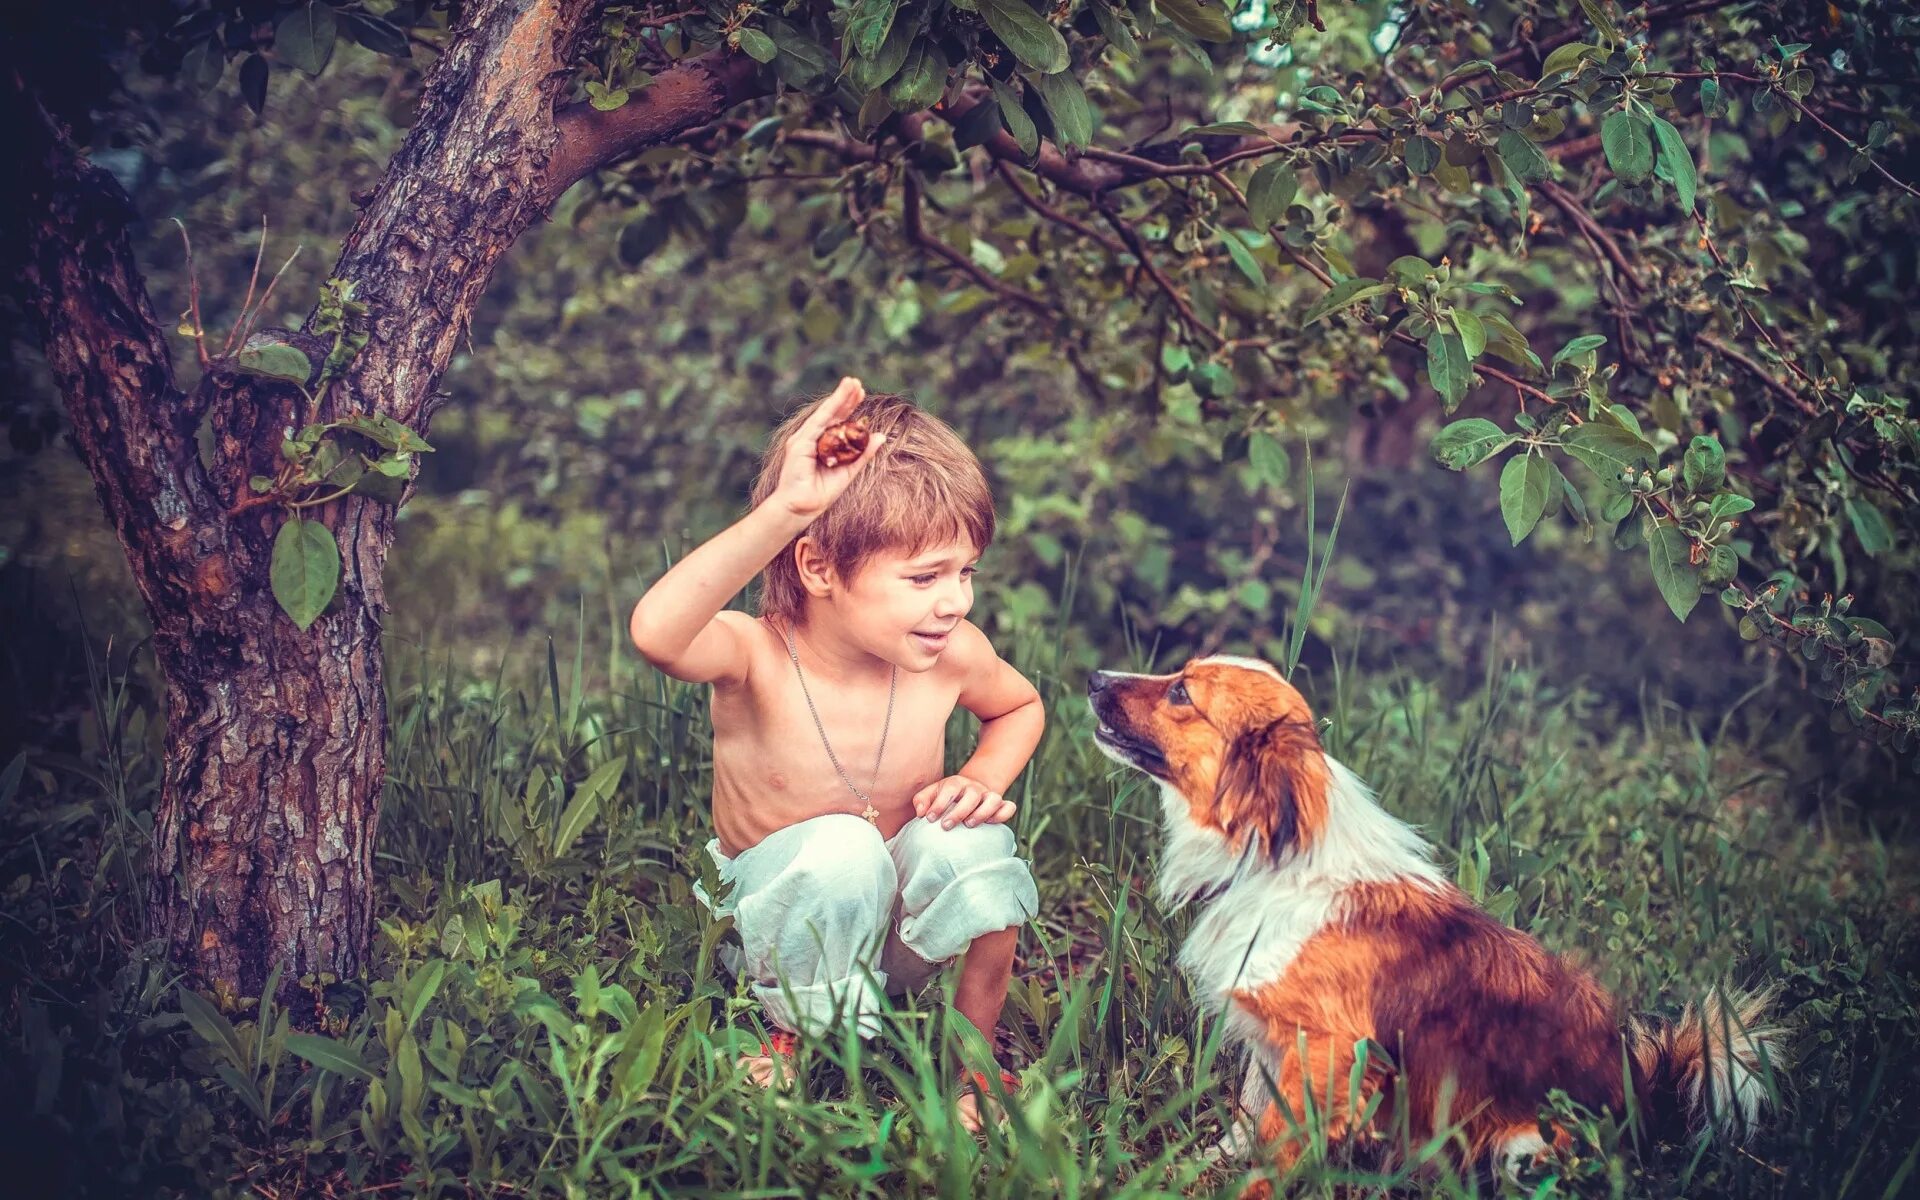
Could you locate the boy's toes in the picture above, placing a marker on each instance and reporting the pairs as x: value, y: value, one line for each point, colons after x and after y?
x: 966, y: 1110
x: 766, y: 1070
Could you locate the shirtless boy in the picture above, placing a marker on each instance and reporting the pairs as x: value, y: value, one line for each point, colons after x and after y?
x: 858, y: 865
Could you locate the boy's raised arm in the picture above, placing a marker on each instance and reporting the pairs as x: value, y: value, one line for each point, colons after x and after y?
x: 678, y: 624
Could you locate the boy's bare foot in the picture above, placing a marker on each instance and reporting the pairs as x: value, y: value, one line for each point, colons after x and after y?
x: 773, y: 1066
x: 977, y: 1101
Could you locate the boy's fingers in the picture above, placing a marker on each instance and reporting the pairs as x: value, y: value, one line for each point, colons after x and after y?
x: 941, y: 798
x: 1007, y: 809
x: 842, y: 401
x: 969, y: 801
x: 983, y: 814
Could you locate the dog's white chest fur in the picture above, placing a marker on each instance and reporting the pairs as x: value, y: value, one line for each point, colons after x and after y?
x: 1252, y: 930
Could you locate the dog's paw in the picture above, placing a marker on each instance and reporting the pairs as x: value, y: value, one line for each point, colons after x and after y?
x: 1237, y: 1145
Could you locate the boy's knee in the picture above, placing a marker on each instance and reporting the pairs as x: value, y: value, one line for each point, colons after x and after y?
x: 845, y: 856
x: 941, y: 855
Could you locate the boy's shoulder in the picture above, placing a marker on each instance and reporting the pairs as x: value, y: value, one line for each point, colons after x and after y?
x: 971, y: 651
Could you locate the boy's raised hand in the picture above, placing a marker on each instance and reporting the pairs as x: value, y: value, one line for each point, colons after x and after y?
x: 806, y: 487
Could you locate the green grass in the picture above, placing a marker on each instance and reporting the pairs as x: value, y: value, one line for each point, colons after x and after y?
x: 545, y: 1017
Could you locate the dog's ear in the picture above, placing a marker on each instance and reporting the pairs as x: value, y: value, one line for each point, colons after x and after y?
x: 1272, y: 786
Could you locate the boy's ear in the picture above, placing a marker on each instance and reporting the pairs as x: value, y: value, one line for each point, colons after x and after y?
x: 816, y: 571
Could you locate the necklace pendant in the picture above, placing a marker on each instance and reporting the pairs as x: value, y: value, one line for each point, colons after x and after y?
x: 872, y: 816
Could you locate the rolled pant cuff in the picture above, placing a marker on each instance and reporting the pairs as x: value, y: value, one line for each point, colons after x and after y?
x: 817, y: 1008
x: 993, y: 896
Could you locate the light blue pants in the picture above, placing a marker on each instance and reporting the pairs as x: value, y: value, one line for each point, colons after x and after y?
x: 831, y: 916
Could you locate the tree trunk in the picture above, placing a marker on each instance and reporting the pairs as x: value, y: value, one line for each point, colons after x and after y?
x: 264, y: 835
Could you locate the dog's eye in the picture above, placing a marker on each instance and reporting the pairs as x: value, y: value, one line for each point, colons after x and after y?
x: 1177, y: 694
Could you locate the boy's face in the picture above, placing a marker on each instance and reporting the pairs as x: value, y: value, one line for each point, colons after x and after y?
x: 902, y: 607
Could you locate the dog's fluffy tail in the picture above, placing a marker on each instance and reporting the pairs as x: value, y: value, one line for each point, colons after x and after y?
x: 1714, y: 1065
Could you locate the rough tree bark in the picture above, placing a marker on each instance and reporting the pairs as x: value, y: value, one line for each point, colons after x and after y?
x: 264, y: 835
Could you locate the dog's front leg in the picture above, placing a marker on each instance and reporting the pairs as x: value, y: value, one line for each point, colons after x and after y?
x: 1243, y: 1130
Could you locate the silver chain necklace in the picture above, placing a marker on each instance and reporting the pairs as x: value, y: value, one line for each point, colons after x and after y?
x: 871, y: 814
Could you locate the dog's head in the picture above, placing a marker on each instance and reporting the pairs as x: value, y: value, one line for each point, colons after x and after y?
x: 1232, y: 737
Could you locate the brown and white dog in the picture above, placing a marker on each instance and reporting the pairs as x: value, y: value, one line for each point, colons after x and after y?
x: 1323, y: 923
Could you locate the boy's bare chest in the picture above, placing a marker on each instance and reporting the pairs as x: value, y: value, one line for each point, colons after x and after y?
x: 775, y: 738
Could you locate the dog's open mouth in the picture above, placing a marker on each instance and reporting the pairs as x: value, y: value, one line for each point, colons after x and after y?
x: 1133, y: 751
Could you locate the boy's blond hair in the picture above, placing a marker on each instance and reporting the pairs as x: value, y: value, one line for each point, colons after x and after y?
x: 923, y: 488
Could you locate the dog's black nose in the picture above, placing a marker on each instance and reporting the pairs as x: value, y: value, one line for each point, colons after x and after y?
x: 1098, y: 682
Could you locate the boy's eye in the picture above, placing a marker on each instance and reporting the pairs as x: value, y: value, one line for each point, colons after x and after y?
x: 923, y: 579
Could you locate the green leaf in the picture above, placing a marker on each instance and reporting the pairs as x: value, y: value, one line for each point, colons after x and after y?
x: 1727, y: 505
x: 1722, y: 564
x: 274, y: 360
x: 1607, y: 449
x: 1347, y: 291
x: 377, y: 34
x: 1242, y: 257
x: 1066, y: 103
x: 1579, y: 345
x: 871, y: 71
x: 604, y: 98
x: 1628, y: 140
x: 1676, y: 162
x: 758, y: 46
x: 1506, y: 342
x: 802, y: 62
x: 1447, y: 367
x: 1712, y: 104
x: 202, y: 65
x: 253, y: 82
x: 1236, y: 128
x: 1423, y: 154
x: 1596, y: 11
x: 867, y: 26
x: 1870, y: 526
x: 1473, y: 333
x: 1014, y: 116
x: 921, y: 79
x: 386, y: 431
x: 979, y: 124
x: 1526, y: 484
x: 214, y: 1029
x: 640, y: 237
x: 305, y: 570
x: 304, y: 38
x: 1468, y: 443
x: 420, y: 990
x: 1115, y: 30
x: 587, y: 799
x: 1522, y: 157
x: 1568, y: 58
x: 1668, y: 552
x: 1026, y: 33
x: 329, y: 1054
x: 1269, y: 459
x: 1704, y: 465
x: 1199, y: 18
x: 1270, y: 191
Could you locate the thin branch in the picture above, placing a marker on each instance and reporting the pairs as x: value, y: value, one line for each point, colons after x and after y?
x: 1131, y: 237
x: 1055, y: 215
x: 226, y: 347
x: 917, y: 234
